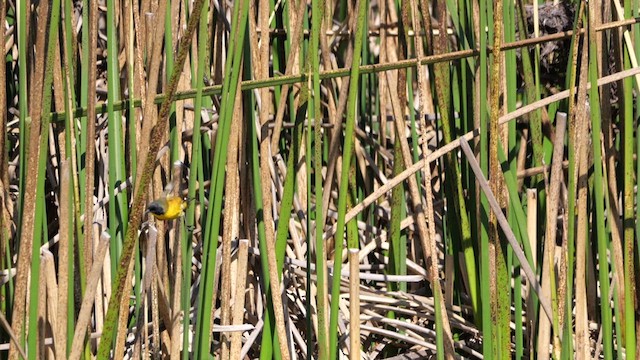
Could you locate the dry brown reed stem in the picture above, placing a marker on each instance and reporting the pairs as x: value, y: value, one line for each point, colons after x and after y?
x: 84, y: 316
x: 354, y: 304
x: 174, y: 274
x: 4, y: 177
x: 497, y: 264
x: 31, y: 188
x: 504, y: 224
x: 141, y: 317
x: 583, y: 349
x: 425, y: 97
x: 537, y: 170
x: 262, y: 72
x: 163, y: 300
x: 58, y: 94
x: 90, y: 154
x: 156, y: 342
x: 238, y: 298
x: 231, y: 225
x: 73, y: 157
x: 544, y: 324
x: 552, y: 207
x: 41, y: 299
x: 49, y: 275
x: 423, y: 86
x: 5, y: 218
x: 123, y: 314
x: 147, y: 295
x: 579, y: 137
x: 140, y: 89
x: 149, y: 112
x: 60, y: 330
x: 532, y: 232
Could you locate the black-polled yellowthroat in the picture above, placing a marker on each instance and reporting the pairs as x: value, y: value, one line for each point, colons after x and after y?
x: 167, y: 208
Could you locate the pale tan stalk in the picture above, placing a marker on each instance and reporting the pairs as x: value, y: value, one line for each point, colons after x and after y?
x: 231, y: 226
x: 91, y: 135
x: 41, y: 351
x: 238, y: 299
x: 123, y: 314
x: 532, y: 232
x: 262, y: 72
x: 49, y: 272
x: 63, y: 259
x: 89, y: 297
x: 580, y: 123
x: 150, y: 109
x: 552, y: 214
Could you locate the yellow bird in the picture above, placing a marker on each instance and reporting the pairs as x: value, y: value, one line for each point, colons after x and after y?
x: 167, y: 208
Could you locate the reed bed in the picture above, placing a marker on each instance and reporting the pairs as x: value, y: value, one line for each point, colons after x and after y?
x: 362, y: 179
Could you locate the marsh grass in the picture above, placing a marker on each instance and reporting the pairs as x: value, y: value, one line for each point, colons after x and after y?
x: 470, y: 177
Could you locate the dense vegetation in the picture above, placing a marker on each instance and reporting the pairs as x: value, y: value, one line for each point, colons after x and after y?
x: 467, y: 167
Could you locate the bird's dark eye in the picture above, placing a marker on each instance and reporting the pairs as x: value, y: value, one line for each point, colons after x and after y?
x: 155, y: 208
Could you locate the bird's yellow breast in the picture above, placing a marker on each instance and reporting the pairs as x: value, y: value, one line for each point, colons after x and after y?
x: 173, y: 208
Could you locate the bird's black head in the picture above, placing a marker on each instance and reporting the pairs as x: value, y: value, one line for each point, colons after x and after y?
x: 155, y: 208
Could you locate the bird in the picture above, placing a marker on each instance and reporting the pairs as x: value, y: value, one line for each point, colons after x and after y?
x: 168, y: 207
